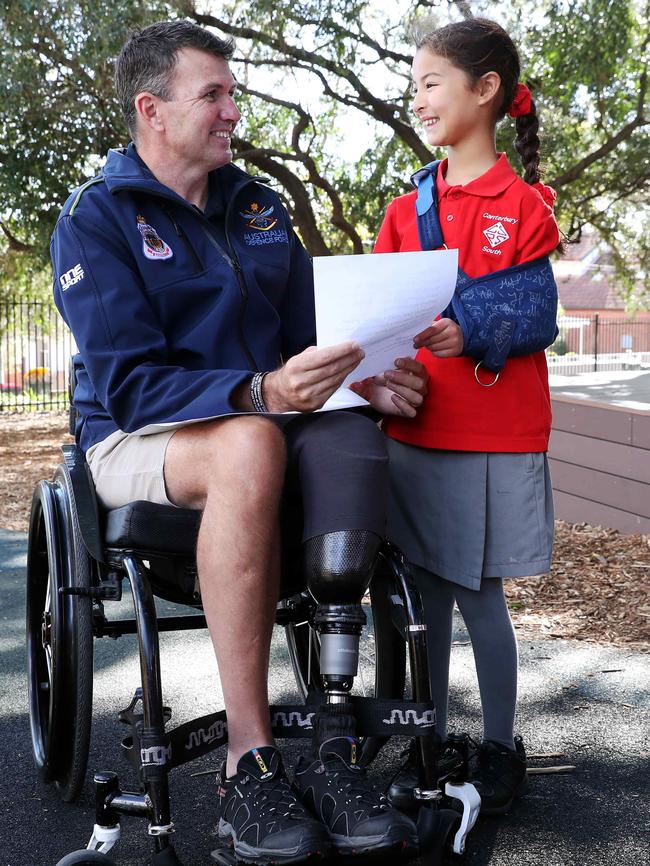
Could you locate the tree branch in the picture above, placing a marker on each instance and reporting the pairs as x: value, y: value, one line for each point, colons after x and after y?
x: 14, y: 244
x: 613, y: 142
x: 301, y: 213
x: 338, y: 31
x: 605, y: 149
x: 402, y: 129
x: 266, y: 157
x: 308, y: 60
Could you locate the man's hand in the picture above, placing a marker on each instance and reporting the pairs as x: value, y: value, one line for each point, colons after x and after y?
x: 307, y: 380
x: 444, y: 339
x: 396, y: 392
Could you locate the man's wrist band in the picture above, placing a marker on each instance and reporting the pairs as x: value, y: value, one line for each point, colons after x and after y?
x: 256, y: 393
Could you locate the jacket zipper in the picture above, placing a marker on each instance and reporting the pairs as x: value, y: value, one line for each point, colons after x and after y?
x: 233, y: 261
x: 182, y: 234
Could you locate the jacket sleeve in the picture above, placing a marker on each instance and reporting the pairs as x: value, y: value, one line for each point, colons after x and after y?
x: 298, y: 312
x: 100, y: 295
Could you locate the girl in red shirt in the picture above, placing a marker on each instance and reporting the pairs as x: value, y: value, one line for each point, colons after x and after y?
x: 471, y: 494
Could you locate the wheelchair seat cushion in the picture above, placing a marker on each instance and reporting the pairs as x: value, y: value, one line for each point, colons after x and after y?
x: 148, y: 526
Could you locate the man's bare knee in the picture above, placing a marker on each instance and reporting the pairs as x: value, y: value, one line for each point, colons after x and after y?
x: 243, y: 455
x: 251, y: 450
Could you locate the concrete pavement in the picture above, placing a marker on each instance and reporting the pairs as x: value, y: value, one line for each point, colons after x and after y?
x: 627, y: 388
x: 591, y: 703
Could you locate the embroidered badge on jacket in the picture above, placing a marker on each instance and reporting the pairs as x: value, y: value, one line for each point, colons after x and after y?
x: 259, y: 219
x: 153, y: 246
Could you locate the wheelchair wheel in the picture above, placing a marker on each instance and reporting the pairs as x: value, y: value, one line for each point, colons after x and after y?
x: 59, y: 638
x: 382, y: 653
x: 85, y: 858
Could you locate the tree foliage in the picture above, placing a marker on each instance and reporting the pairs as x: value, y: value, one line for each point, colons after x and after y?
x: 326, y: 104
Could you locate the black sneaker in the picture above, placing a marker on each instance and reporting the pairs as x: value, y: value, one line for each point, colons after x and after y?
x: 260, y: 815
x: 359, y: 819
x: 452, y: 765
x: 499, y: 775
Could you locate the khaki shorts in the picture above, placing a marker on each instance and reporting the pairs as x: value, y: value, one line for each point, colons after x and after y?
x: 127, y: 467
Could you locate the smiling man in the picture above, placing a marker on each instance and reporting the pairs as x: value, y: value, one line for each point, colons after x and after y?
x: 191, y: 301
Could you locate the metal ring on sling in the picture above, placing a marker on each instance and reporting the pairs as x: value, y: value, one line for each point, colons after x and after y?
x: 485, y: 384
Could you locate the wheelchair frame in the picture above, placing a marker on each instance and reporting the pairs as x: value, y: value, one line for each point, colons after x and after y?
x: 75, y: 565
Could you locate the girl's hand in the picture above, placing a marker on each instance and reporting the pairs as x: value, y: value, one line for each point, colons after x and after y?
x: 444, y: 339
x: 396, y: 392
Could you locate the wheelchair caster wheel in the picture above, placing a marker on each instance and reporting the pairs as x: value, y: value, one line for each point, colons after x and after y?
x: 436, y: 829
x: 86, y: 858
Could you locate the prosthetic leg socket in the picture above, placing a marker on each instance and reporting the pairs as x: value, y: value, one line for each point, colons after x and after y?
x: 339, y: 567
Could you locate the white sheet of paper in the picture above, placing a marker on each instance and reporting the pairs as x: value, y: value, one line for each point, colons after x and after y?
x: 381, y: 302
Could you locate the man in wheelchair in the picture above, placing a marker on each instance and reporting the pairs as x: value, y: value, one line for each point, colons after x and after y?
x: 191, y: 301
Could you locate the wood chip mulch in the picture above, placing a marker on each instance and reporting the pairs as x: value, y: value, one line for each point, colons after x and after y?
x: 598, y: 588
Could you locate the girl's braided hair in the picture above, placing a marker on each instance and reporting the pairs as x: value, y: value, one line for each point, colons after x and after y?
x: 478, y: 46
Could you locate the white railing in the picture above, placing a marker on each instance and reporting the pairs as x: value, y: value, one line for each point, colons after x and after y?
x: 572, y: 364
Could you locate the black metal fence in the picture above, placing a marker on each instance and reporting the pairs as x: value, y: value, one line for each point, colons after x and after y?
x: 35, y: 348
x: 36, y: 345
x: 591, y: 343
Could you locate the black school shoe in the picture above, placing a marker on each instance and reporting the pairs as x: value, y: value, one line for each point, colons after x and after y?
x: 402, y: 785
x: 359, y: 819
x: 499, y: 775
x: 259, y: 814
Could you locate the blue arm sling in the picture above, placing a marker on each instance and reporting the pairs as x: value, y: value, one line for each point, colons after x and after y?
x: 510, y: 312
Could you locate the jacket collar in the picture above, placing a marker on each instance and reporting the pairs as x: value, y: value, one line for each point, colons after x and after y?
x: 125, y: 170
x: 491, y: 183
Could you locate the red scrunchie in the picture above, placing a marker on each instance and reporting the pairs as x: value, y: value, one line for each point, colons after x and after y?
x: 522, y: 101
x: 547, y: 193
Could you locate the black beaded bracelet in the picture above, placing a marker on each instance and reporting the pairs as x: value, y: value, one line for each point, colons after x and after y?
x: 256, y: 393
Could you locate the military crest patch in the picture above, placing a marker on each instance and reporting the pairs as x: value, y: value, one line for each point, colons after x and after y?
x: 153, y: 246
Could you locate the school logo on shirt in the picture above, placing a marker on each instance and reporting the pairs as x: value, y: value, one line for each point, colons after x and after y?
x: 496, y: 234
x: 153, y: 246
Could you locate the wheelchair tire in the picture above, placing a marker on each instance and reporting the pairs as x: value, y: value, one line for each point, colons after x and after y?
x: 59, y: 638
x: 85, y: 858
x: 382, y: 654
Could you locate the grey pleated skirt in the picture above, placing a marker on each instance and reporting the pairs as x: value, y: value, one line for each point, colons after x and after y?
x: 467, y: 515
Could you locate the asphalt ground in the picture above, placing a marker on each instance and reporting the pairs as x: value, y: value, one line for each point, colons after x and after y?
x: 590, y: 703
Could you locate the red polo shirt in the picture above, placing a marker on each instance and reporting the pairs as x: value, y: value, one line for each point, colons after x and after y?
x: 495, y: 221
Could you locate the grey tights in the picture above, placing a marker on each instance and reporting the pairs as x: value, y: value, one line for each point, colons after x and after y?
x: 488, y: 622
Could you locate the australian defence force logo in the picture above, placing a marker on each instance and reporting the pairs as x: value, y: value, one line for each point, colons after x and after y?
x: 153, y: 246
x: 262, y: 226
x: 259, y: 219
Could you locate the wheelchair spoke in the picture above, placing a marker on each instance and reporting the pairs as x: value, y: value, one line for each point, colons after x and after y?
x: 48, y: 596
x: 48, y: 661
x: 311, y: 641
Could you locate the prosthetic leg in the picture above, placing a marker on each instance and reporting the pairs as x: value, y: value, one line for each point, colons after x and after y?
x: 339, y: 568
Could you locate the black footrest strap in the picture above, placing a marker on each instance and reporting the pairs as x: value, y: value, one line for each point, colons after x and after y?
x: 374, y: 717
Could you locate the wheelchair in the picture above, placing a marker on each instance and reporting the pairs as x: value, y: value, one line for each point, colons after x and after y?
x: 78, y: 560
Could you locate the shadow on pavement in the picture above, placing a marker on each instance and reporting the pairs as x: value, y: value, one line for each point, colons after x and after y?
x: 573, y: 701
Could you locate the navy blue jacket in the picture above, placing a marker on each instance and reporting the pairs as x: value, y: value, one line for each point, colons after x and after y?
x: 170, y: 312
